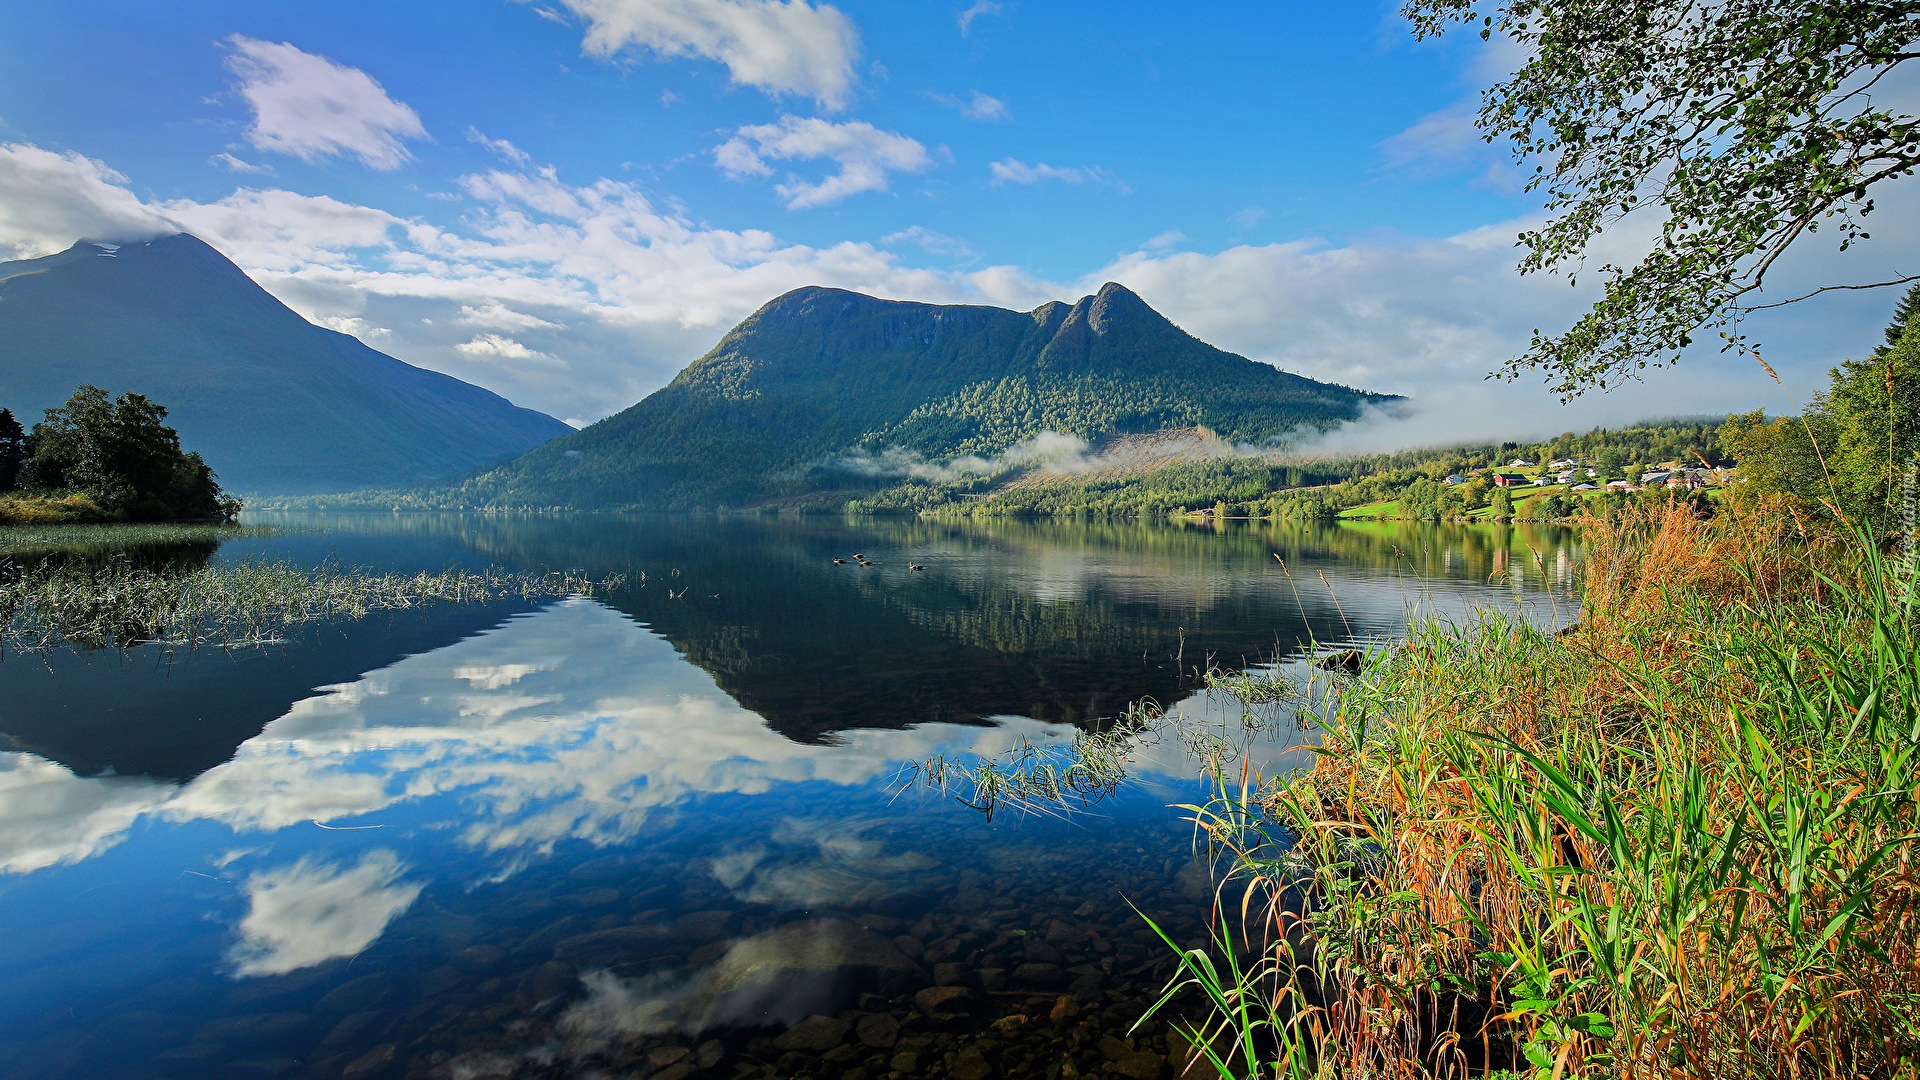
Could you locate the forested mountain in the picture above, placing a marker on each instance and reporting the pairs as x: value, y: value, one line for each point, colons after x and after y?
x: 827, y: 389
x: 273, y: 402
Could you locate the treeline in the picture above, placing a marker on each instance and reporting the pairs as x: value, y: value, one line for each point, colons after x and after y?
x: 1239, y: 482
x: 1307, y: 489
x: 104, y: 459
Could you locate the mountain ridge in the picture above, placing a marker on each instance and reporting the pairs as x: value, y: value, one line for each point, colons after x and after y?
x: 272, y: 401
x: 819, y: 370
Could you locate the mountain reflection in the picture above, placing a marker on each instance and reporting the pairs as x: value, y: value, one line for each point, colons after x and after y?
x: 582, y: 720
x: 1066, y: 622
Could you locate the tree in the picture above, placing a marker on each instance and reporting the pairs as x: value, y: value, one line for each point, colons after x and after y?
x: 1740, y: 126
x: 1502, y: 503
x: 121, y: 456
x: 1902, y: 312
x: 13, y: 450
x: 1853, y: 445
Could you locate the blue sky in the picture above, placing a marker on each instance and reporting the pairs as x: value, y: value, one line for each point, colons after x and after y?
x: 568, y: 200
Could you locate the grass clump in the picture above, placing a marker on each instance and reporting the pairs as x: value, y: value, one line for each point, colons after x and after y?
x: 1679, y: 841
x: 122, y: 601
x: 64, y: 509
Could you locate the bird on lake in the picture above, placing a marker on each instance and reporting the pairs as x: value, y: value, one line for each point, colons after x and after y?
x: 839, y: 562
x: 864, y: 562
x: 916, y: 568
x: 857, y: 555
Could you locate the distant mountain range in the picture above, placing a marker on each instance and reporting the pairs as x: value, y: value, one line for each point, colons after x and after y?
x: 815, y: 387
x: 274, y: 403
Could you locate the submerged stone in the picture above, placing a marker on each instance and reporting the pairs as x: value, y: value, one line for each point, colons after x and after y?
x: 622, y: 944
x: 942, y: 998
x: 971, y: 1064
x: 878, y: 1030
x: 792, y: 971
x: 815, y: 1033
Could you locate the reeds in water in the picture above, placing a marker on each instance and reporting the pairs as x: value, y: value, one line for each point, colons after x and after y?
x: 119, y: 602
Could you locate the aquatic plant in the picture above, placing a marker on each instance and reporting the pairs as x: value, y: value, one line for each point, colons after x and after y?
x: 117, y: 600
x: 1682, y: 840
x: 1041, y: 777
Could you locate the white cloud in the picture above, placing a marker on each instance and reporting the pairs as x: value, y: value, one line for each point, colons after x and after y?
x: 234, y: 164
x: 311, y: 912
x: 979, y: 8
x: 312, y: 108
x: 1448, y: 141
x: 977, y: 107
x: 866, y: 156
x: 508, y: 152
x: 1445, y: 137
x: 982, y: 107
x: 928, y: 240
x: 49, y: 200
x: 778, y: 46
x: 640, y: 291
x: 1247, y: 217
x: 1014, y: 171
x: 500, y: 317
x: 490, y: 346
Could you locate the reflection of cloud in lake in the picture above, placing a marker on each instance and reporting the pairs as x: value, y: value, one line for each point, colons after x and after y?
x: 568, y: 723
x: 808, y: 862
x: 312, y: 912
x: 50, y: 816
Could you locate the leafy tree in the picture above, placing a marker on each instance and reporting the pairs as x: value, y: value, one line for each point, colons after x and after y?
x: 13, y: 450
x: 120, y: 455
x: 1607, y: 461
x: 1741, y: 126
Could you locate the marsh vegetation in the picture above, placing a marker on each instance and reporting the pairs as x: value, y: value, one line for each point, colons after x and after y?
x: 93, y: 587
x: 1680, y: 840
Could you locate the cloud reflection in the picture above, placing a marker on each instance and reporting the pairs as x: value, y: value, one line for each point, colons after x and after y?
x: 311, y: 912
x: 571, y: 723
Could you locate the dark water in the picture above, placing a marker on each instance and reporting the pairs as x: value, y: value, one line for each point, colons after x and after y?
x: 642, y: 835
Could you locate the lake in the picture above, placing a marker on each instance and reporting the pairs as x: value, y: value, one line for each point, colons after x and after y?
x: 674, y: 830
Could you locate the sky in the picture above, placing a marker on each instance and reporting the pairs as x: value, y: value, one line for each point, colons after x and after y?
x: 567, y: 201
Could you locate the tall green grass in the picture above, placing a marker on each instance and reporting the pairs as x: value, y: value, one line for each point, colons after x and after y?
x: 1680, y: 841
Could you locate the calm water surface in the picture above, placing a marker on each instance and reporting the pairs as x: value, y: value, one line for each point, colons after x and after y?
x: 645, y: 834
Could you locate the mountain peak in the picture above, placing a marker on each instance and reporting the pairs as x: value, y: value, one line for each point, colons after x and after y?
x: 274, y: 402
x: 823, y: 388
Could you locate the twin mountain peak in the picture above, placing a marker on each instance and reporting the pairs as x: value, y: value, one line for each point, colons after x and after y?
x: 277, y: 404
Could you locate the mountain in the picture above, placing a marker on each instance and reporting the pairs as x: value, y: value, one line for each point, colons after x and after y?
x: 273, y: 402
x: 777, y: 405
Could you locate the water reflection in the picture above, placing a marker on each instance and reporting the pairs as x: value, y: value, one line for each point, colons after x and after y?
x: 568, y: 723
x: 626, y: 835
